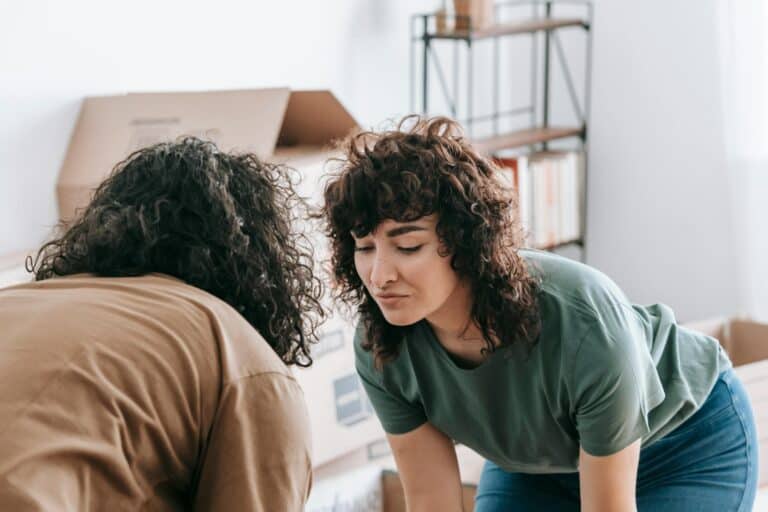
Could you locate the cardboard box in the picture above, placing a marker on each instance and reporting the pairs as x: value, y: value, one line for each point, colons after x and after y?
x: 367, y: 489
x: 341, y: 417
x: 267, y: 122
x: 477, y: 14
x: 746, y: 342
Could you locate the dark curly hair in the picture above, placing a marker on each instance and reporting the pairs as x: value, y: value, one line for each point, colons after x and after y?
x: 222, y: 222
x: 429, y: 168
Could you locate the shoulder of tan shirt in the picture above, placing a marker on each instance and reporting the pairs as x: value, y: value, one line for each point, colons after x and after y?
x: 242, y: 351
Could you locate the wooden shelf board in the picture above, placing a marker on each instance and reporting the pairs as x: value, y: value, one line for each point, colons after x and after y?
x: 522, y: 138
x: 505, y: 29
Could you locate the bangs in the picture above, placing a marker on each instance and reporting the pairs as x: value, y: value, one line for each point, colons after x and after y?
x: 372, y: 197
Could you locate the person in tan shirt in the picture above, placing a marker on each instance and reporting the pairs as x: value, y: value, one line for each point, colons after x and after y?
x: 146, y: 368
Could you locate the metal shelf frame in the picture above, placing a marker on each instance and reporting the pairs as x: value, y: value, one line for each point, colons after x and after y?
x: 425, y: 33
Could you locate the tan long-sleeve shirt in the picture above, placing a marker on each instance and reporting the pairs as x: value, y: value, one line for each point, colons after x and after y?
x: 143, y: 393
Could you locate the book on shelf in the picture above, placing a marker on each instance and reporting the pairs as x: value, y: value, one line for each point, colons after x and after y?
x: 549, y: 191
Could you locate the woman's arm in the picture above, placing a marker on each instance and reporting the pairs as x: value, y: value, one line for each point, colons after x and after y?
x: 426, y: 461
x: 608, y: 483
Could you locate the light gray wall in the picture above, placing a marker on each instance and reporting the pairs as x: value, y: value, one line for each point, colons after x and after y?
x: 661, y: 211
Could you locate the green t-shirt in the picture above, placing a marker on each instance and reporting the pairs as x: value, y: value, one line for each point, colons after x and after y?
x: 603, y: 374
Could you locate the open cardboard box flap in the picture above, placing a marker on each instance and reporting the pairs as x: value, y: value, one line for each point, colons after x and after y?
x: 262, y: 121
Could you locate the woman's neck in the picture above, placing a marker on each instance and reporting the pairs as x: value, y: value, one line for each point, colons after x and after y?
x: 453, y: 318
x: 455, y: 329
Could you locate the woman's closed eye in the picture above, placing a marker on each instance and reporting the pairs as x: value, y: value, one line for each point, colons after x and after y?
x: 405, y: 249
x: 411, y: 249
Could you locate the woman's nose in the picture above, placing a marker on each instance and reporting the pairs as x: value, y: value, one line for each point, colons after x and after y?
x: 383, y: 271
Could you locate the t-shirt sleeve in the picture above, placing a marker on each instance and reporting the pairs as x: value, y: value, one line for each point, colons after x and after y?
x: 614, y: 386
x: 397, y: 413
x: 258, y: 453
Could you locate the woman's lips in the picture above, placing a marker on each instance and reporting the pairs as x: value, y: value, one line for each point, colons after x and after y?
x: 390, y: 299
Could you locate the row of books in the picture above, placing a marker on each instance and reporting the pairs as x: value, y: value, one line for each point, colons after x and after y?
x: 549, y: 191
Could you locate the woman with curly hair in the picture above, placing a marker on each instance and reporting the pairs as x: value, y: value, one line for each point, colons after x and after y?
x: 147, y: 365
x: 577, y: 398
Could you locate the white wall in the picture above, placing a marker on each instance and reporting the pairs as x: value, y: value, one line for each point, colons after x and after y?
x: 54, y: 53
x: 744, y: 63
x: 661, y: 215
x: 660, y: 212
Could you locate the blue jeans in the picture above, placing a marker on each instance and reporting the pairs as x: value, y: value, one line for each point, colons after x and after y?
x: 709, y: 463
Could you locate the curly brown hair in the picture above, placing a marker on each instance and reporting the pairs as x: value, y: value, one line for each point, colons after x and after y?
x: 429, y: 168
x: 222, y: 222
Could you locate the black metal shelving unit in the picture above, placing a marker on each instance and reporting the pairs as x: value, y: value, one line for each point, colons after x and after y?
x: 541, y: 23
